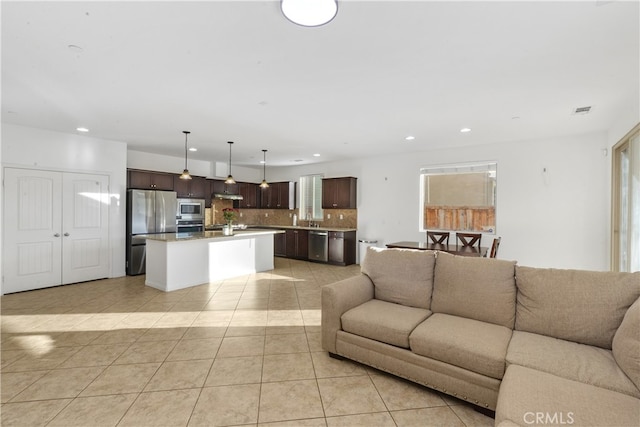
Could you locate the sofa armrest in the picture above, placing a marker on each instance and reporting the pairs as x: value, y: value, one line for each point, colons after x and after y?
x: 337, y: 299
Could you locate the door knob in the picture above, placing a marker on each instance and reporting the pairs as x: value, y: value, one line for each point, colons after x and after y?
x: 66, y: 234
x: 56, y: 235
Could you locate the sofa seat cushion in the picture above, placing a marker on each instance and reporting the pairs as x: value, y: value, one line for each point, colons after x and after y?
x: 470, y: 344
x: 530, y: 397
x: 476, y: 288
x: 384, y: 321
x: 579, y: 362
x: 576, y: 305
x: 401, y: 276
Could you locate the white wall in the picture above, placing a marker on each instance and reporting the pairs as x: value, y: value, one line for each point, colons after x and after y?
x: 160, y: 163
x: 559, y: 220
x: 42, y: 149
x: 209, y: 169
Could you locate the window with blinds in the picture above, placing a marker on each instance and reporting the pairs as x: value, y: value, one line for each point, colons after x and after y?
x: 310, y: 198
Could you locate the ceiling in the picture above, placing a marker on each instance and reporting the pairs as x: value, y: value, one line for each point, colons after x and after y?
x: 142, y: 72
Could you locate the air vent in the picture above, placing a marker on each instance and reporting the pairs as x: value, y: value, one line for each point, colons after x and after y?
x: 582, y: 110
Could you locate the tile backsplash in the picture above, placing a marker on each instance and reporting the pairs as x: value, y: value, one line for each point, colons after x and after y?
x: 342, y: 218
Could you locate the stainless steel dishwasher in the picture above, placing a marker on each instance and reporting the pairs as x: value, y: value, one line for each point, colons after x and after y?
x: 319, y: 246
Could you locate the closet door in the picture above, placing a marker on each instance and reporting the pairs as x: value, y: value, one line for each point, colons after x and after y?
x: 32, y: 229
x: 85, y: 227
x: 56, y: 228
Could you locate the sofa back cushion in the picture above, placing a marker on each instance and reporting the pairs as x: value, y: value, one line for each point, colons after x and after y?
x: 626, y: 344
x: 401, y: 276
x: 476, y: 288
x: 576, y: 305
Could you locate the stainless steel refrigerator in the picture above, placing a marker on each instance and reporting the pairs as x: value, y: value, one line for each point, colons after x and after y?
x: 148, y: 212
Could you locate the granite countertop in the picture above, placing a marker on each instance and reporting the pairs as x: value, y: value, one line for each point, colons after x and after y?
x: 217, y: 234
x: 293, y: 227
x: 299, y: 227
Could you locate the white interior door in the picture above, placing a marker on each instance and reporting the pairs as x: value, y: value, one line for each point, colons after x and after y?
x: 85, y: 227
x: 56, y: 228
x: 32, y: 229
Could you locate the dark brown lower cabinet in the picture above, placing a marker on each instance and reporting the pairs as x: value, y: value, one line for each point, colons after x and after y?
x: 297, y: 244
x: 280, y: 244
x: 342, y: 247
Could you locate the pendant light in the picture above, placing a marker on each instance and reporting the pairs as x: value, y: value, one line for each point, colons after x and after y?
x: 264, y: 183
x: 185, y: 173
x: 230, y: 179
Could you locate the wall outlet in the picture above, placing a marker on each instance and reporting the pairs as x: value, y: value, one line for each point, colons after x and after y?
x: 266, y: 215
x: 240, y: 214
x: 341, y: 216
x: 328, y: 216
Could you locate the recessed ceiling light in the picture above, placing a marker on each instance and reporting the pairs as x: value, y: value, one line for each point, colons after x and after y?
x: 309, y: 13
x: 410, y: 138
x: 465, y: 130
x: 193, y: 149
x: 82, y: 129
x: 316, y: 155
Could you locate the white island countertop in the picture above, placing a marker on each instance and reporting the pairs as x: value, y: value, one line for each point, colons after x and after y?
x: 181, y: 260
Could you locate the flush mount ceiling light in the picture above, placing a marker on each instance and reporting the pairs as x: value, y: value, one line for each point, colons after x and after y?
x: 230, y: 179
x: 309, y: 13
x: 185, y: 173
x: 264, y: 183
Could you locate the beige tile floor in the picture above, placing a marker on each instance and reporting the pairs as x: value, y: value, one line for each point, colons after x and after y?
x: 244, y: 351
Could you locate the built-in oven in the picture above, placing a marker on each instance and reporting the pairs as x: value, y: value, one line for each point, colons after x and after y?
x: 189, y: 226
x: 190, y: 210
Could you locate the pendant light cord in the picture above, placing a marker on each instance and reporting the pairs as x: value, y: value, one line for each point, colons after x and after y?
x: 186, y: 151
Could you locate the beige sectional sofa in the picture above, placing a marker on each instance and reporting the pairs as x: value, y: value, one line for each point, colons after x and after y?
x: 538, y: 346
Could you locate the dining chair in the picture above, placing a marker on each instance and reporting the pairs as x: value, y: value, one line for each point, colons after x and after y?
x: 469, y: 239
x: 494, y: 247
x: 441, y: 237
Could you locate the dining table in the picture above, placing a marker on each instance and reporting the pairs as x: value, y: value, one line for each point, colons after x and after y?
x: 455, y: 249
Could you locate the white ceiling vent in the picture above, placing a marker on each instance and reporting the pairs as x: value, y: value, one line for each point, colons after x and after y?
x: 581, y: 110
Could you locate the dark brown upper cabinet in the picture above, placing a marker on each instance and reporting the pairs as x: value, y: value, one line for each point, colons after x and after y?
x: 279, y: 195
x: 339, y: 193
x: 148, y: 180
x: 249, y: 193
x: 194, y: 188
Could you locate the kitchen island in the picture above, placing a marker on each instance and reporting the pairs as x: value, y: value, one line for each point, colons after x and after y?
x: 181, y: 260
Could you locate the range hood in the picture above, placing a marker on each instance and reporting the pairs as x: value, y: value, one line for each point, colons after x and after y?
x: 227, y: 196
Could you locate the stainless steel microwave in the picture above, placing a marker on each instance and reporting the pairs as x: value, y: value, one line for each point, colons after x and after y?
x: 190, y: 209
